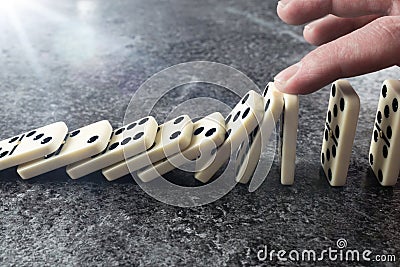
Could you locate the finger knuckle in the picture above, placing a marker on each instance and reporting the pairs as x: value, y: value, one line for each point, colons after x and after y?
x: 388, y: 28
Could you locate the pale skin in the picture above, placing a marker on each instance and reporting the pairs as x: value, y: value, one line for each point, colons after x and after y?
x: 353, y: 37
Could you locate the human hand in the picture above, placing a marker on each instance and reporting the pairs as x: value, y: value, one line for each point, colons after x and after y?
x: 353, y: 38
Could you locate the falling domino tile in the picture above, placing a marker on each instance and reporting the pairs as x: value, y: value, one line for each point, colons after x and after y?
x: 79, y: 144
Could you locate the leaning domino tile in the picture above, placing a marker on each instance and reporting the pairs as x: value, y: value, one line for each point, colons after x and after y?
x: 249, y: 152
x: 172, y: 137
x: 340, y: 128
x: 384, y: 152
x: 240, y: 122
x: 77, y: 145
x: 289, y: 125
x: 131, y: 139
x: 208, y: 133
x: 31, y: 145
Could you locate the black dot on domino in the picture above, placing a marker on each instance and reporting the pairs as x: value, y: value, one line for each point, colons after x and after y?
x: 328, y: 155
x: 74, y: 133
x: 126, y: 141
x: 389, y: 132
x: 395, y: 105
x: 386, y: 111
x: 326, y: 134
x: 323, y: 158
x: 178, y: 120
x: 210, y: 132
x: 228, y: 133
x: 138, y: 135
x: 330, y: 174
x: 228, y: 118
x: 30, y: 134
x: 333, y: 90
x: 198, y: 131
x: 158, y: 129
x: 335, y: 110
x: 267, y: 105
x: 143, y: 121
x: 246, y: 112
x: 329, y: 116
x: 37, y: 137
x: 236, y: 116
x: 380, y: 175
x: 376, y: 134
x: 385, y: 151
x: 114, y: 146
x: 384, y: 91
x: 46, y: 140
x: 175, y: 135
x: 12, y: 140
x: 2, y: 155
x: 119, y: 131
x: 131, y: 126
x: 266, y: 90
x: 333, y: 151
x: 93, y: 139
x: 371, y: 159
x: 337, y: 131
x: 255, y: 131
x: 341, y: 104
x: 245, y: 98
x: 379, y: 117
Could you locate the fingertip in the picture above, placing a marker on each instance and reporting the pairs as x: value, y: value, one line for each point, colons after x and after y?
x: 297, y: 86
x: 292, y: 87
x: 308, y: 34
x: 287, y: 81
x: 280, y: 86
x: 287, y: 13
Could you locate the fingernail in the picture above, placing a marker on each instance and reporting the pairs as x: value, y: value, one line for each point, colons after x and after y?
x: 311, y: 25
x: 283, y: 3
x: 284, y: 76
x: 308, y: 27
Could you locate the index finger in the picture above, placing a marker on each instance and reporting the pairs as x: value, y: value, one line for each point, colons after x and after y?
x: 302, y: 11
x: 371, y: 48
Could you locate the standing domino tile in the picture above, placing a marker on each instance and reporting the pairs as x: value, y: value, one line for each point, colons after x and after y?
x: 31, y: 145
x: 208, y: 134
x: 79, y: 144
x: 240, y: 122
x: 289, y: 125
x: 384, y: 152
x: 131, y: 139
x: 172, y: 137
x: 249, y: 152
x: 340, y: 129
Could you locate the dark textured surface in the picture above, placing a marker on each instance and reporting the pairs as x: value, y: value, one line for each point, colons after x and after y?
x: 79, y: 62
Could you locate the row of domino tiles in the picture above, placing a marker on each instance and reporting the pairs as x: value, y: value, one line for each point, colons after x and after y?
x: 153, y: 150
